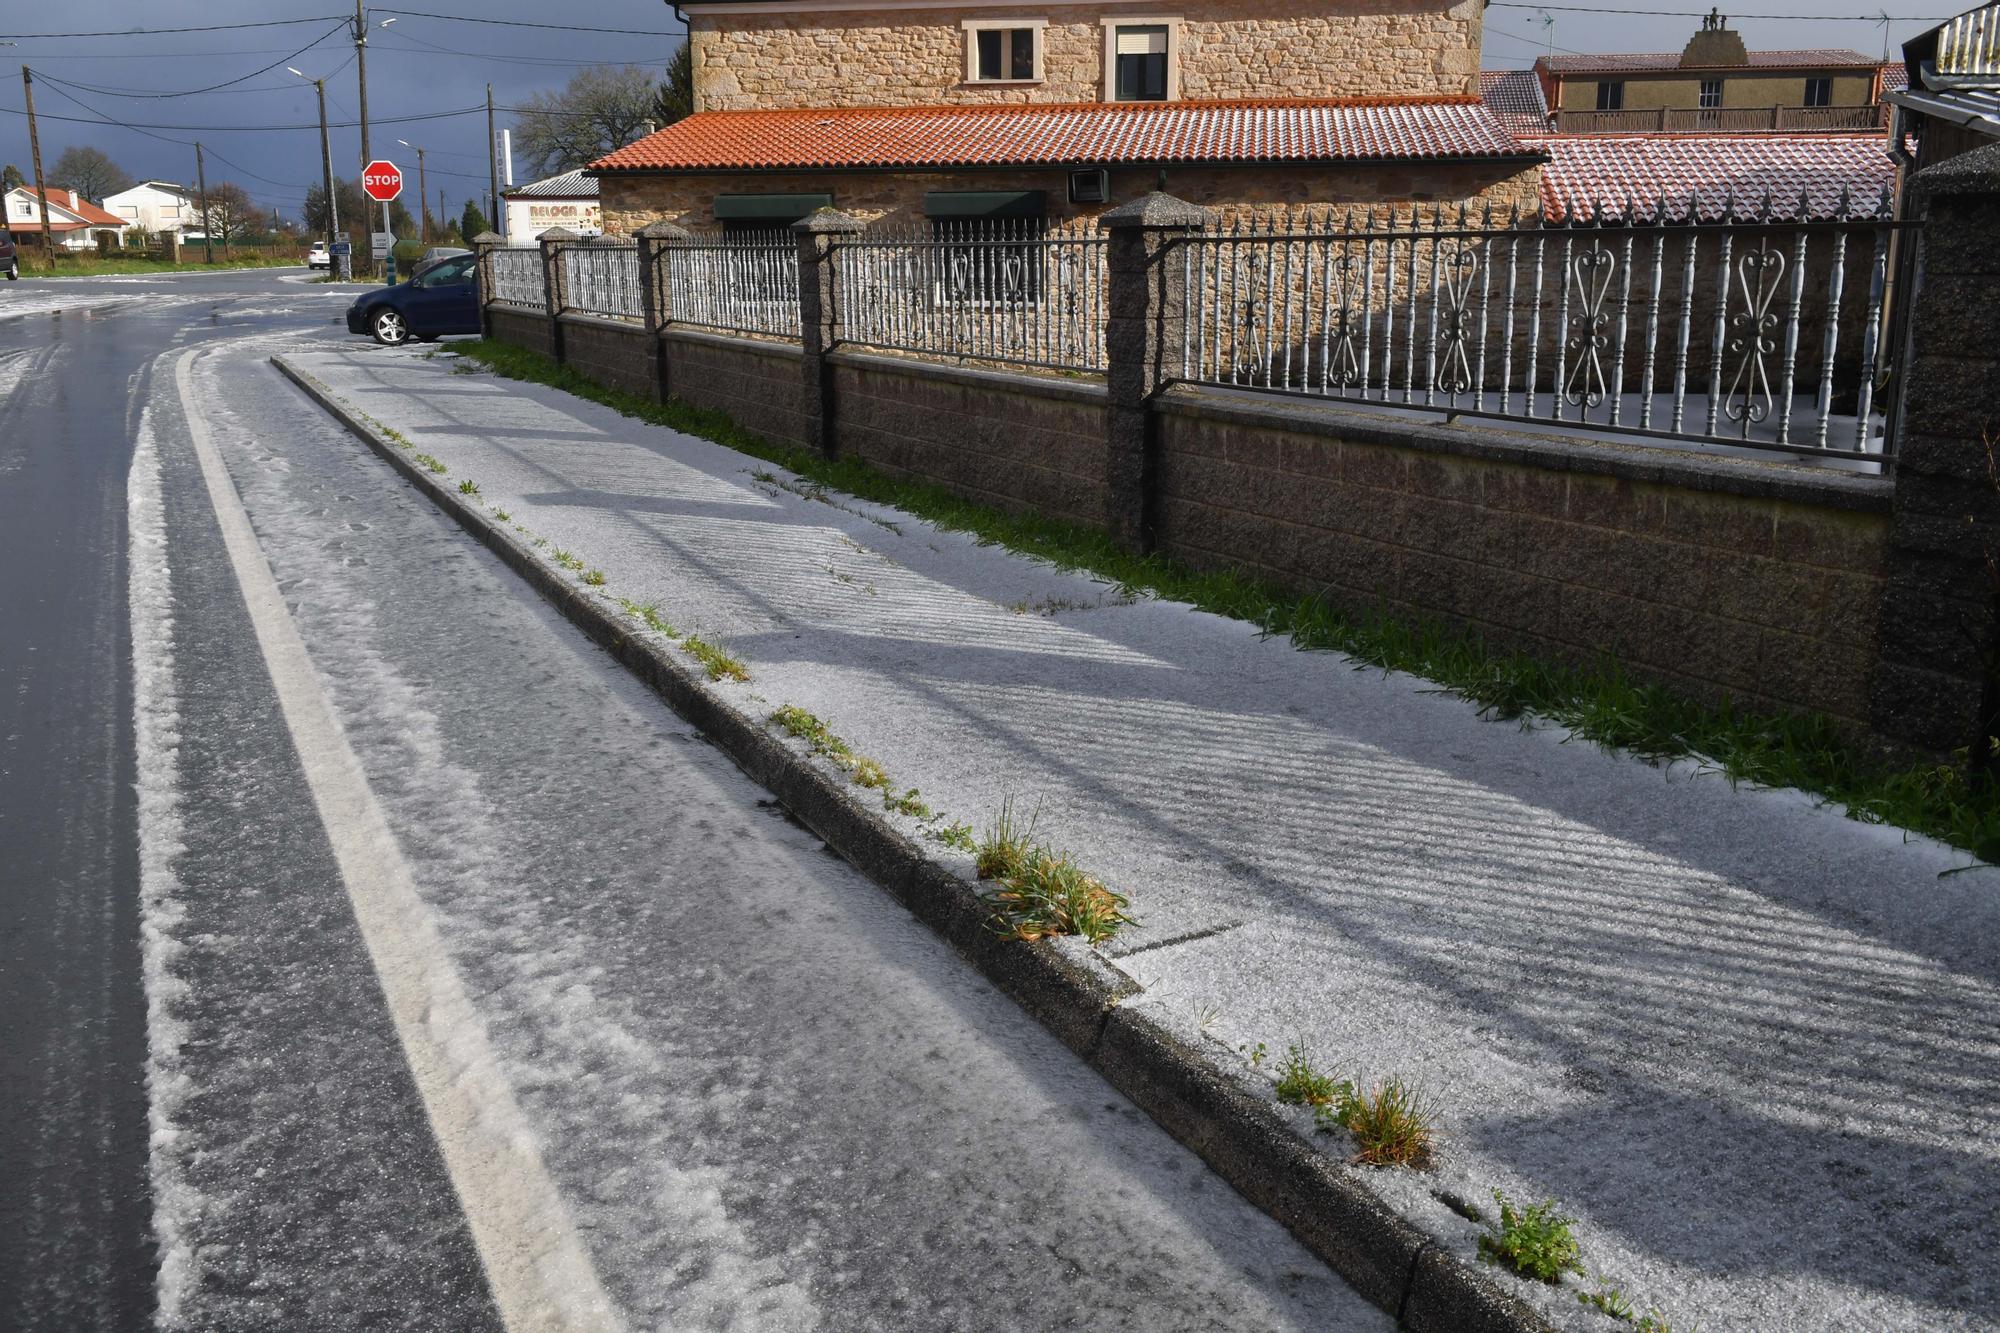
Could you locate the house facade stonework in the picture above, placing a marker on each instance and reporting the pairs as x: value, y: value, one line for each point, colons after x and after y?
x: 1220, y: 50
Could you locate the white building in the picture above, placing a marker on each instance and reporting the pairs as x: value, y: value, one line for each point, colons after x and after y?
x: 568, y: 200
x: 156, y: 206
x: 74, y: 222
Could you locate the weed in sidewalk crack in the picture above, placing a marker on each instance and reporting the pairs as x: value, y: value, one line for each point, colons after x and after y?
x: 1052, y: 895
x: 715, y: 660
x: 1299, y: 1084
x: 648, y: 614
x: 1394, y: 1125
x: 503, y: 515
x: 426, y: 460
x: 468, y: 487
x: 910, y: 803
x: 1536, y: 1241
x: 594, y: 577
x: 956, y: 836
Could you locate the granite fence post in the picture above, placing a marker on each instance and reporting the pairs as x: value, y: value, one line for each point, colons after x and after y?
x: 483, y: 245
x: 555, y: 284
x: 657, y: 241
x: 819, y: 319
x: 1147, y: 309
x: 1936, y: 645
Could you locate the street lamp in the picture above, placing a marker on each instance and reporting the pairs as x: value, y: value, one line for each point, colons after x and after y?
x: 326, y: 164
x: 423, y: 193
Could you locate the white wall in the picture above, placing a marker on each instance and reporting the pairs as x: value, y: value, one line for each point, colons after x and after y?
x: 529, y: 218
x: 153, y: 208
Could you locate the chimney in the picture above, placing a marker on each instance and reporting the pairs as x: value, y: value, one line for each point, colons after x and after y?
x: 1716, y: 44
x: 72, y: 198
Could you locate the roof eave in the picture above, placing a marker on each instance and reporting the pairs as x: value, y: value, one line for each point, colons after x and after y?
x: 1526, y: 157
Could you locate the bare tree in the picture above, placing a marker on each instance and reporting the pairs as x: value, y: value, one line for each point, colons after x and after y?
x: 232, y: 214
x: 601, y: 108
x: 90, y: 173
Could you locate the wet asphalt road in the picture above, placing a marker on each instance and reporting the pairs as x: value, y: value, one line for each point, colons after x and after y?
x: 752, y: 1092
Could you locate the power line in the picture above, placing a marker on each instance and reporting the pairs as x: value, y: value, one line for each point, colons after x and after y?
x: 213, y: 87
x: 522, y: 23
x: 254, y: 129
x: 149, y: 32
x: 513, y: 60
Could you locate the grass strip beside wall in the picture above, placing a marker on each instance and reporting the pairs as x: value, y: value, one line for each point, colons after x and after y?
x: 1602, y: 703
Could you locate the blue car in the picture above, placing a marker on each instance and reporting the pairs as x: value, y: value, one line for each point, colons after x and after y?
x: 441, y: 299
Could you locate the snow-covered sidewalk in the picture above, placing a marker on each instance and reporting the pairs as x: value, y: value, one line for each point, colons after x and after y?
x: 1754, y: 1047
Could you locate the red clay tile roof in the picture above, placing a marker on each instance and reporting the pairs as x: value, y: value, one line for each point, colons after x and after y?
x: 1895, y: 77
x: 1593, y: 172
x: 1636, y: 62
x: 1515, y: 96
x: 1088, y: 134
x: 91, y: 214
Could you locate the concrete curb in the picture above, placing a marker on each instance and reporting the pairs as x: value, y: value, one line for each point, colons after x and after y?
x: 1241, y: 1137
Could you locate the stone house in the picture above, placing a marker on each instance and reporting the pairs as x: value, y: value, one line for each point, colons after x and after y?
x: 965, y: 112
x: 1714, y: 84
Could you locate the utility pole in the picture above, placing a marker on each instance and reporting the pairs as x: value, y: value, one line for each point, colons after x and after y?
x: 423, y: 202
x: 492, y: 169
x: 361, y: 74
x: 41, y: 187
x: 332, y: 205
x: 201, y: 183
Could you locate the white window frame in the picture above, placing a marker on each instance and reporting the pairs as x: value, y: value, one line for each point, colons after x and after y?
x: 973, y: 27
x: 1171, y: 22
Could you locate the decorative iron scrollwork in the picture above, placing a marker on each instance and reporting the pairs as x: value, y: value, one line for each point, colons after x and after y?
x: 1754, y: 334
x: 1590, y: 284
x: 1456, y: 268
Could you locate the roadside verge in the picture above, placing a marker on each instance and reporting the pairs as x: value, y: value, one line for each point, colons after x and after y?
x: 1068, y: 988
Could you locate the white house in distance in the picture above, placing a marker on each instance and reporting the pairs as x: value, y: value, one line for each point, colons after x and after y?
x: 568, y: 200
x: 156, y: 206
x: 74, y: 222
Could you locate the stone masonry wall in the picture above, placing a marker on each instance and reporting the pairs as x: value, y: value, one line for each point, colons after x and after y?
x: 1013, y: 441
x: 613, y: 354
x: 1278, y: 194
x: 1227, y: 49
x: 756, y: 383
x: 523, y: 328
x: 1718, y: 578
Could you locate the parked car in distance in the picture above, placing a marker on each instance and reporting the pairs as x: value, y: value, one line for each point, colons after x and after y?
x: 10, y: 258
x: 442, y: 299
x: 319, y: 256
x: 437, y: 254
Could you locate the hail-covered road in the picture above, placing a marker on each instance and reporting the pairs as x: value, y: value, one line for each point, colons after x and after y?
x: 375, y: 954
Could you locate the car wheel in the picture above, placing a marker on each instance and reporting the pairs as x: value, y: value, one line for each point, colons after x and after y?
x: 391, y: 329
x: 13, y: 271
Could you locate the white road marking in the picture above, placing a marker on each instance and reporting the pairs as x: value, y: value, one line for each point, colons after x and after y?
x: 541, y: 1277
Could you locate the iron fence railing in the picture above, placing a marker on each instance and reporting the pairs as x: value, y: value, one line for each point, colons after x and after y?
x: 1731, y: 324
x: 1722, y: 120
x: 995, y: 291
x: 517, y: 278
x: 746, y: 281
x: 601, y: 277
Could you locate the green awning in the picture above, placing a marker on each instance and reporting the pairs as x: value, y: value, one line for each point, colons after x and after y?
x: 773, y: 208
x: 986, y: 204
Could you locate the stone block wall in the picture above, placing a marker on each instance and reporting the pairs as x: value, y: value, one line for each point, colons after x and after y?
x: 1226, y: 49
x: 1014, y: 441
x: 755, y: 382
x: 521, y: 327
x: 1719, y: 578
x: 611, y: 352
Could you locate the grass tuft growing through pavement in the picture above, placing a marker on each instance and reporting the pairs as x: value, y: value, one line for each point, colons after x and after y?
x: 648, y: 614
x: 715, y: 660
x: 1395, y: 1125
x: 1039, y: 892
x: 1602, y: 703
x: 427, y: 461
x: 1536, y: 1241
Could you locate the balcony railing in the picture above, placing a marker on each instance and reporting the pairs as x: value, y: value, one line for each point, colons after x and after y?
x: 1721, y: 120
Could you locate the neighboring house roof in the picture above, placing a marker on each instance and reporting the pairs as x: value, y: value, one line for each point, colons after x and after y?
x: 1895, y: 76
x: 1086, y: 134
x: 1515, y: 96
x: 82, y: 213
x: 1641, y: 62
x: 1592, y: 174
x: 569, y: 185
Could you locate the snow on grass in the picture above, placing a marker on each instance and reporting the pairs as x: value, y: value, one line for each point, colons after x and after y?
x: 156, y: 713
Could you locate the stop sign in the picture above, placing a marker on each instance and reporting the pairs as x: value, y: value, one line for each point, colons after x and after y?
x: 382, y: 180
